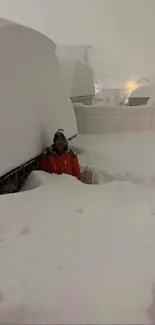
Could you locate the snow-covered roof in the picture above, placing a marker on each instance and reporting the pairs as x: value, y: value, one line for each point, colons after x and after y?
x: 151, y: 78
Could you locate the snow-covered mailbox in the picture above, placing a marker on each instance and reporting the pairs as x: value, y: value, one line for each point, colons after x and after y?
x: 33, y: 101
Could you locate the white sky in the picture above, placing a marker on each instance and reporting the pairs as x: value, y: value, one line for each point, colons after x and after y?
x: 121, y: 31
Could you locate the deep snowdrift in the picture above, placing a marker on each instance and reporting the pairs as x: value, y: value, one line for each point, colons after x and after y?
x: 119, y: 157
x: 74, y: 253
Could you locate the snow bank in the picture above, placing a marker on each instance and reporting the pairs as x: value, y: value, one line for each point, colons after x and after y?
x: 36, y: 179
x: 103, y: 119
x: 143, y: 91
x: 77, y: 254
x: 118, y: 157
x: 33, y: 96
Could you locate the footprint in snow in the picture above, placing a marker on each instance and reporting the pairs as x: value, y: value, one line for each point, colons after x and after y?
x: 60, y: 267
x: 151, y: 309
x: 1, y: 297
x: 12, y: 314
x: 2, y: 236
x: 79, y: 210
x: 24, y: 231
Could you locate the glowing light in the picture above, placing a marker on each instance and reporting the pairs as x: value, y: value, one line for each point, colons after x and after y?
x: 131, y: 86
x: 97, y: 89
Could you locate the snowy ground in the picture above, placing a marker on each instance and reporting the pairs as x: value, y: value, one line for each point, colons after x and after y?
x: 75, y: 253
x: 127, y: 156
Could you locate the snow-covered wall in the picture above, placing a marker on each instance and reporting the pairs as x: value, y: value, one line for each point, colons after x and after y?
x: 33, y: 99
x: 98, y: 119
x: 83, y: 81
x: 78, y: 78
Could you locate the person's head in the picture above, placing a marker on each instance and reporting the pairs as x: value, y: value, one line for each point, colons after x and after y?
x: 60, y: 141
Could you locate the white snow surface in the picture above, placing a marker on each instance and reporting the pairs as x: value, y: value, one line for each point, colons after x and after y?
x: 119, y: 157
x: 72, y: 253
x: 143, y: 91
x: 78, y: 78
x: 32, y: 92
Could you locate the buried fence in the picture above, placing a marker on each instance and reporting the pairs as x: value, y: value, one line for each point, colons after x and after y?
x: 98, y: 119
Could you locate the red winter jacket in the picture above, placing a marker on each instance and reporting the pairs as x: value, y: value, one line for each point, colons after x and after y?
x: 66, y: 163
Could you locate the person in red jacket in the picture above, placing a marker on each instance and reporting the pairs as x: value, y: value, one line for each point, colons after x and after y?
x: 59, y: 159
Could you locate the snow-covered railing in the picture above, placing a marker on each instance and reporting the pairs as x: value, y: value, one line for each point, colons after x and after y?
x: 97, y: 119
x: 12, y: 181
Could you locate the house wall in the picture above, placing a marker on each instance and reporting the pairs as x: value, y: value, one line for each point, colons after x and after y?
x: 78, y: 78
x: 113, y: 95
x: 83, y: 83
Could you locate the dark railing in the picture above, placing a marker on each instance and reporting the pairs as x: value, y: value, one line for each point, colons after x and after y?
x: 86, y: 100
x: 12, y: 181
x: 136, y: 101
